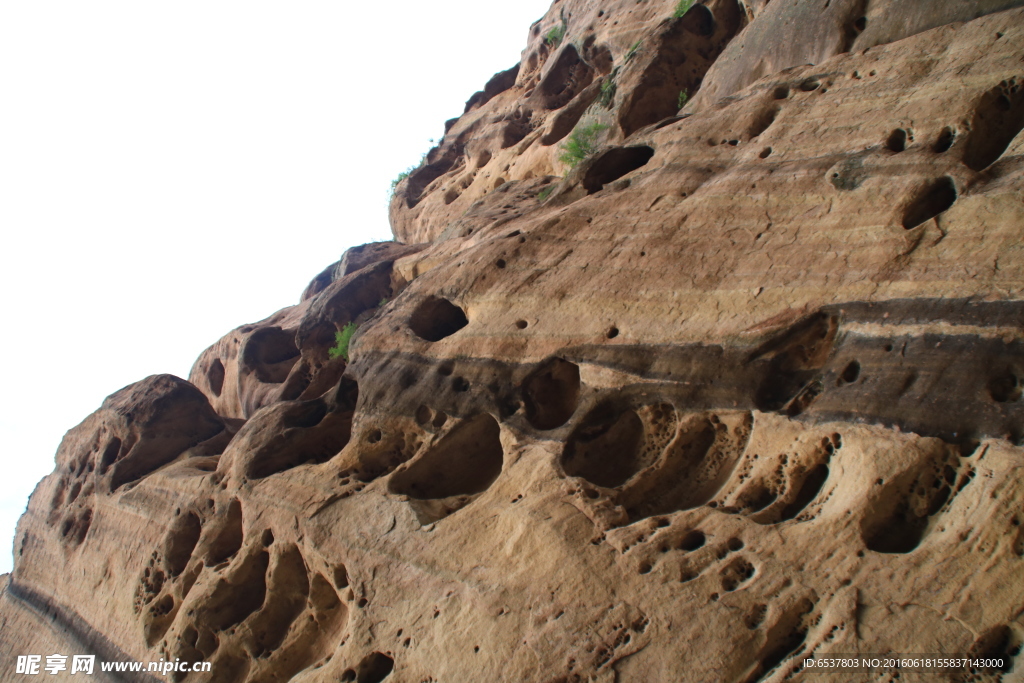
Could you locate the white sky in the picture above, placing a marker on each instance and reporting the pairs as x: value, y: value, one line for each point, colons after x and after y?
x: 169, y: 171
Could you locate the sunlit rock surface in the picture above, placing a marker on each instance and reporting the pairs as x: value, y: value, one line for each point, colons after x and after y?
x: 742, y: 387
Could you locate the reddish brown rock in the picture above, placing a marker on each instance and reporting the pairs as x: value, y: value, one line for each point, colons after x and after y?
x: 741, y: 388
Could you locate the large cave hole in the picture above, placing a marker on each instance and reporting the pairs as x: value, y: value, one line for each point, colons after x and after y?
x: 312, y: 432
x: 464, y: 463
x: 567, y: 76
x: 699, y: 21
x: 270, y: 353
x: 613, y: 164
x: 181, y: 541
x: 929, y: 202
x: 606, y: 450
x: 226, y: 538
x: 551, y: 393
x: 215, y: 376
x: 675, y: 60
x: 436, y: 318
x: 998, y: 118
x: 374, y: 668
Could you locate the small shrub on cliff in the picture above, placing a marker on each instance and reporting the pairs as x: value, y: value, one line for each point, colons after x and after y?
x: 683, y: 98
x: 608, y: 90
x: 401, y: 176
x: 555, y: 35
x: 545, y: 193
x: 633, y: 50
x: 342, y: 338
x: 682, y: 8
x: 405, y: 174
x: 582, y: 143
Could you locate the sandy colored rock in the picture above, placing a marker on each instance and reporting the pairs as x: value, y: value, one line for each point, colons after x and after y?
x: 741, y: 388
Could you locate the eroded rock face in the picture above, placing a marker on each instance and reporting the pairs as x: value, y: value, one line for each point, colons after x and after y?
x: 742, y: 387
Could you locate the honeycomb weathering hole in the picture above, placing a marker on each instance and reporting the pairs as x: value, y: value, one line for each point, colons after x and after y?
x: 464, y: 463
x: 436, y: 318
x: 551, y: 394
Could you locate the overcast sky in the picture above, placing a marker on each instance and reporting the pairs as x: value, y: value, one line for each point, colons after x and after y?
x: 169, y: 171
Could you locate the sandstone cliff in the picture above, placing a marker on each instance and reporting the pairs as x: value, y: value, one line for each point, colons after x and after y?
x: 742, y: 387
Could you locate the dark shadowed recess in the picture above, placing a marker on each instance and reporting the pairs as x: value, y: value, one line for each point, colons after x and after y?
x: 551, y: 394
x: 998, y: 118
x: 930, y: 201
x: 465, y: 462
x: 373, y: 668
x: 614, y: 163
x: 436, y: 318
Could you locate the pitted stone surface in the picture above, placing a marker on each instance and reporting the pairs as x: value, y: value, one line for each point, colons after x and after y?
x: 742, y: 387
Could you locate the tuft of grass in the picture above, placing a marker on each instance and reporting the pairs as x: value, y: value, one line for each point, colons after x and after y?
x: 383, y: 302
x: 545, y: 193
x: 401, y: 176
x: 406, y: 173
x: 633, y: 50
x: 555, y: 35
x: 582, y: 143
x: 342, y: 338
x: 682, y: 8
x: 683, y: 98
x: 607, y: 92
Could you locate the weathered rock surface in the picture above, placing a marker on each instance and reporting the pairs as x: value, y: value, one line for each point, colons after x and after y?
x: 742, y: 387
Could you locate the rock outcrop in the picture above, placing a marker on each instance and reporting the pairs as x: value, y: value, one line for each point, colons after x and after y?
x: 741, y: 388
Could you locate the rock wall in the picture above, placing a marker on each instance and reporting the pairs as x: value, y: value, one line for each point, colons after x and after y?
x: 742, y: 387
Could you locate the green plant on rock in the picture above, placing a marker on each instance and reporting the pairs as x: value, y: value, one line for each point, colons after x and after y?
x: 633, y: 50
x: 342, y: 338
x: 682, y: 8
x: 401, y: 176
x: 406, y: 173
x: 545, y: 193
x: 555, y: 35
x: 607, y: 92
x: 582, y: 142
x: 683, y: 98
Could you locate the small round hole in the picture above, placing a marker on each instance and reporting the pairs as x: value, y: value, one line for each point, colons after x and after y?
x: 522, y: 324
x: 851, y: 372
x: 613, y: 333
